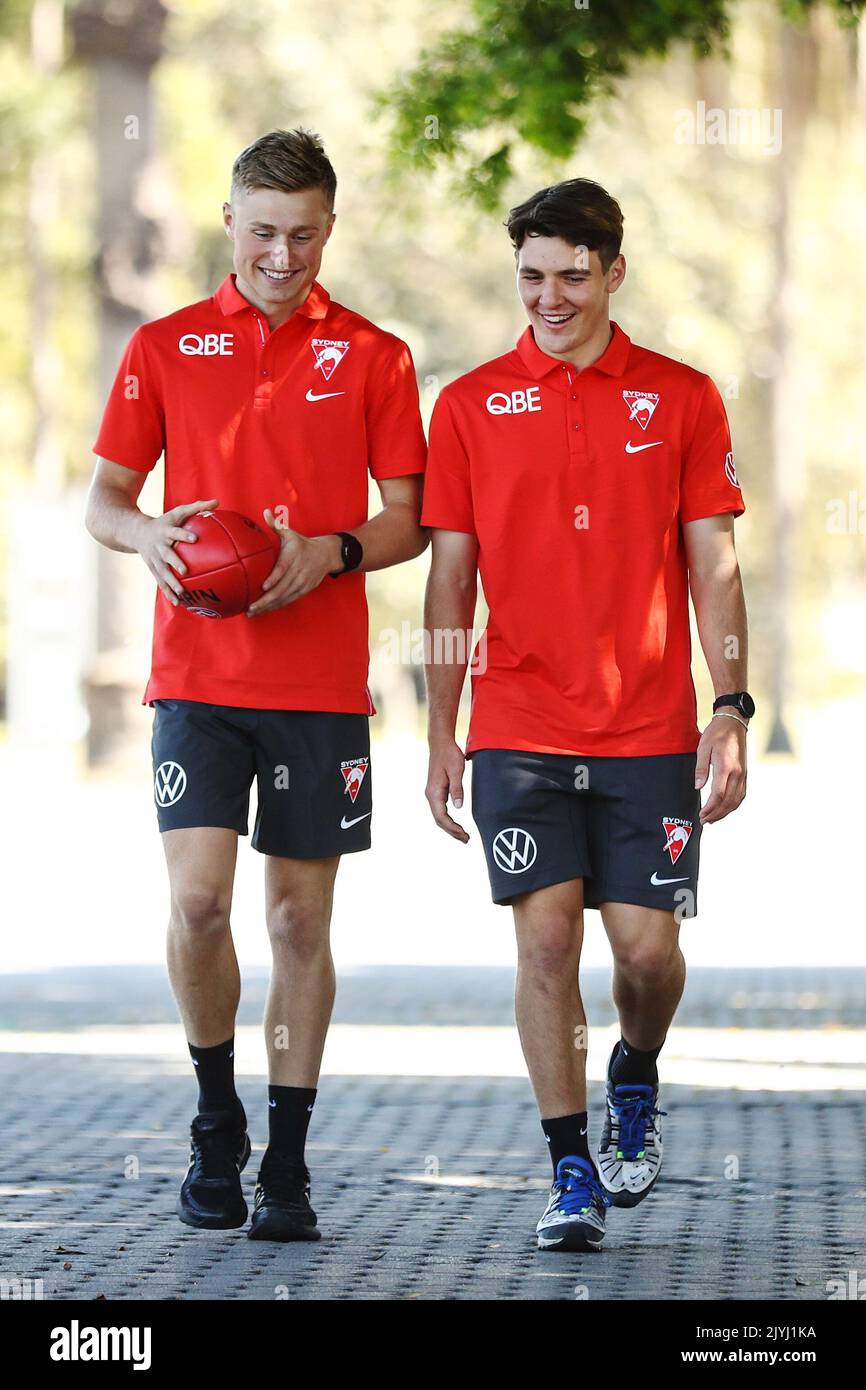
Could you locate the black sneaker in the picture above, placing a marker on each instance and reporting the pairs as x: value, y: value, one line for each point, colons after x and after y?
x: 282, y: 1208
x: 211, y: 1196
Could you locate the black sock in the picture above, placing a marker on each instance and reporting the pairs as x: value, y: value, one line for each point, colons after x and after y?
x: 628, y: 1064
x: 567, y: 1137
x: 289, y: 1110
x: 215, y: 1073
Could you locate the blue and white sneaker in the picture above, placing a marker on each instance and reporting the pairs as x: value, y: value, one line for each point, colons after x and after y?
x: 574, y: 1219
x: 630, y: 1149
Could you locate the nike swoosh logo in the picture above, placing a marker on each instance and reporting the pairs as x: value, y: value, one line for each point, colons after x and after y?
x: 272, y: 1104
x: 583, y: 1131
x: 345, y: 824
x: 325, y: 395
x: 656, y: 880
x: 639, y: 448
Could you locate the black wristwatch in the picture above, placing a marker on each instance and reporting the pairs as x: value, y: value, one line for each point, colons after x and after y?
x: 740, y: 700
x: 351, y: 553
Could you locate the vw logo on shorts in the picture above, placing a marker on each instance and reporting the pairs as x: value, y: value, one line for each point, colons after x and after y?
x: 514, y: 850
x: 169, y: 784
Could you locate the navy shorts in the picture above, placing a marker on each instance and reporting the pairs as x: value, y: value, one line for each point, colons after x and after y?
x: 312, y: 770
x: 629, y: 827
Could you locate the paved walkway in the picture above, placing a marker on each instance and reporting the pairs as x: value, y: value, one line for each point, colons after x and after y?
x: 428, y: 1187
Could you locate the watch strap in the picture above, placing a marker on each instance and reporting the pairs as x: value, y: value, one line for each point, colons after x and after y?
x: 739, y: 699
x: 352, y: 553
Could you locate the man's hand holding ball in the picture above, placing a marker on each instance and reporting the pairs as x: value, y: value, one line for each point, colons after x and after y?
x: 156, y: 541
x: 302, y: 564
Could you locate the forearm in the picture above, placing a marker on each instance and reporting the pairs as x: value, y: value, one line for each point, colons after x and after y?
x: 391, y: 537
x: 113, y: 519
x: 720, y: 611
x: 449, y: 612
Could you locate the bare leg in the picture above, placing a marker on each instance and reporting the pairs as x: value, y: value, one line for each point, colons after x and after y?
x: 202, y: 964
x: 549, y: 1010
x: 300, y: 895
x: 649, y: 970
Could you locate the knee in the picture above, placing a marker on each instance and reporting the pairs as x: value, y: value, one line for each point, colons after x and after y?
x: 550, y: 947
x: 649, y: 962
x: 300, y: 928
x: 200, y: 910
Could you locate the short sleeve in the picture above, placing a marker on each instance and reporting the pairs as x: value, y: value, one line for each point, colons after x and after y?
x: 447, y: 485
x: 708, y: 481
x: 132, y: 432
x: 395, y: 435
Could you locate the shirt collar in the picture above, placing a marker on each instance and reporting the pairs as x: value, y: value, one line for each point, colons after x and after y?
x: 231, y: 301
x: 612, y: 361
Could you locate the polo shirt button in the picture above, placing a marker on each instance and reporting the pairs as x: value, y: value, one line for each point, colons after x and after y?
x: 577, y: 427
x: 264, y: 373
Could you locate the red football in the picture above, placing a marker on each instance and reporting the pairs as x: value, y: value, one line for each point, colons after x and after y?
x: 227, y: 565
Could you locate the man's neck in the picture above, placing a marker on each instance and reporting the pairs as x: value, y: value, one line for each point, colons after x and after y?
x: 589, y: 351
x: 283, y: 312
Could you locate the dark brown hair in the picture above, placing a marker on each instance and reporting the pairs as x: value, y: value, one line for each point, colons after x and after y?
x: 579, y: 211
x: 288, y: 160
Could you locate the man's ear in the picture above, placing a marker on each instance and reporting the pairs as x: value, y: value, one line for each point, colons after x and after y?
x: 616, y: 273
x: 228, y: 218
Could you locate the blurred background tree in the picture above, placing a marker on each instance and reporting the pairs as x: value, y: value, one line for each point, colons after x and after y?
x: 743, y: 261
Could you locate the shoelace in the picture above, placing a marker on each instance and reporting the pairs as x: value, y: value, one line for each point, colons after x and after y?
x: 214, y: 1149
x: 634, y: 1114
x: 286, y: 1183
x: 576, y: 1191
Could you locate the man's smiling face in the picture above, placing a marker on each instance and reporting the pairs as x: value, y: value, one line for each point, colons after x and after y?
x: 278, y: 241
x: 564, y: 291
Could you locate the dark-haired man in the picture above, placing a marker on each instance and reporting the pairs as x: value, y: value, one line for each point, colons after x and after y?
x: 270, y: 399
x: 591, y: 483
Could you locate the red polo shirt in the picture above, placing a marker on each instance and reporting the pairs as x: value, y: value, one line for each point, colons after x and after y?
x: 295, y: 419
x: 576, y: 485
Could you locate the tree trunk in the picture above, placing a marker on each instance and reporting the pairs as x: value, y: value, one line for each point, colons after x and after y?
x: 796, y: 88
x: 121, y: 44
x: 46, y: 51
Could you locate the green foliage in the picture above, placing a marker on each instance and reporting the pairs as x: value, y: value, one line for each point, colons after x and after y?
x: 534, y: 71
